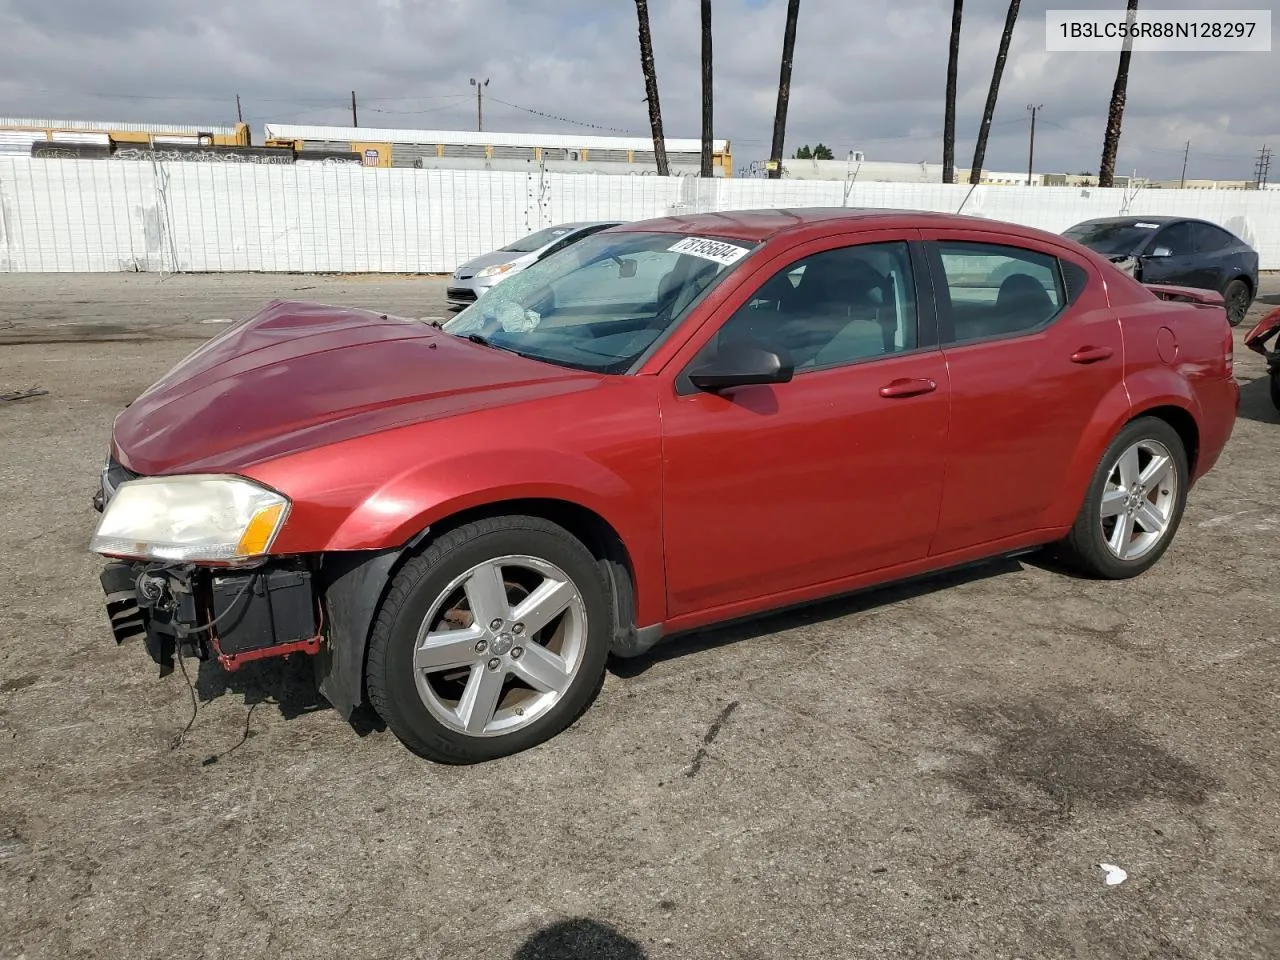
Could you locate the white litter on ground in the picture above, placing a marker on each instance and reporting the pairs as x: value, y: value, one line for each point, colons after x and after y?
x: 1115, y: 875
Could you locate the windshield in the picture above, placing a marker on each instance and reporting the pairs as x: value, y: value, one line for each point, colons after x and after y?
x: 1114, y: 238
x: 599, y: 304
x: 536, y: 241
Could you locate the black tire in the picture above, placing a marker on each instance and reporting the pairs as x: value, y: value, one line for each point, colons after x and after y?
x: 1238, y: 298
x: 1085, y: 548
x: 392, y: 687
x: 1275, y: 389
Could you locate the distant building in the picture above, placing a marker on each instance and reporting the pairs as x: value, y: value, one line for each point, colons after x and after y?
x: 1090, y: 180
x: 454, y: 149
x: 1177, y: 184
x: 858, y: 168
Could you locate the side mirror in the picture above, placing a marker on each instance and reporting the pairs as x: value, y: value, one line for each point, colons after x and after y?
x: 626, y: 269
x: 739, y: 364
x: 1161, y: 252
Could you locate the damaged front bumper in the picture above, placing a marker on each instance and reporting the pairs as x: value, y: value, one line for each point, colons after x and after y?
x: 229, y: 615
x: 316, y: 604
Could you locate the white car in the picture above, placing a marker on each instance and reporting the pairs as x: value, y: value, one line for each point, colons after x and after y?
x: 476, y: 277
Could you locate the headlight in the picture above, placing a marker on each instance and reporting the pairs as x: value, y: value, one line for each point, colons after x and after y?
x: 192, y: 518
x: 496, y: 269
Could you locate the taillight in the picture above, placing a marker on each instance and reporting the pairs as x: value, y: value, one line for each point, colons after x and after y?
x: 1228, y: 352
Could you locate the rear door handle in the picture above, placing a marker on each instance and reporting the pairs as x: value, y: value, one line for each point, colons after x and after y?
x: 1091, y: 354
x: 907, y: 388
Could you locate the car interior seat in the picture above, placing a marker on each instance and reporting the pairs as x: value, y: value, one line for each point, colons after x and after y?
x: 838, y: 311
x: 1021, y: 303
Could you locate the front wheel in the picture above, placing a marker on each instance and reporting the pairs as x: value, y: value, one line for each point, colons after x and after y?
x: 1134, y: 503
x: 491, y: 641
x: 1237, y: 298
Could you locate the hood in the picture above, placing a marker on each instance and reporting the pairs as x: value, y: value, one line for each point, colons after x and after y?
x: 300, y: 375
x: 469, y: 268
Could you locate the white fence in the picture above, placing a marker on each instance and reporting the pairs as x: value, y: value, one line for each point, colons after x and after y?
x: 113, y: 215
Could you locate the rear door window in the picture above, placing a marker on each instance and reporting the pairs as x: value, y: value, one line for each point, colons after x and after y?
x: 997, y: 290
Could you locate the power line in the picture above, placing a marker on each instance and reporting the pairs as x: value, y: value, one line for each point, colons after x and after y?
x: 405, y: 113
x: 183, y: 97
x: 552, y: 116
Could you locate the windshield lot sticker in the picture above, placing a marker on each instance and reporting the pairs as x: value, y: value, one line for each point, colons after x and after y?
x: 1147, y: 226
x: 715, y: 250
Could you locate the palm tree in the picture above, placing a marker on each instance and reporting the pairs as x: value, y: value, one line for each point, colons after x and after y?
x: 706, y: 89
x: 980, y: 151
x: 784, y: 89
x: 949, y: 123
x: 651, y: 88
x: 1111, y: 141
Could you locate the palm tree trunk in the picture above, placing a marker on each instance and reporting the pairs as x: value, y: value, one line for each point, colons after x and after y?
x: 1111, y: 142
x: 706, y: 90
x: 651, y: 88
x: 949, y: 122
x: 784, y: 89
x: 980, y: 151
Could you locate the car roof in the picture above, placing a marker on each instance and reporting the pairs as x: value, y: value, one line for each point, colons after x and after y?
x: 759, y: 225
x: 1135, y: 219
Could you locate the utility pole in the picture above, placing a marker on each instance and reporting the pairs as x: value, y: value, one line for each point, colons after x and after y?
x: 1031, y: 152
x: 1264, y: 165
x: 239, y: 115
x: 1185, y: 153
x: 354, y: 121
x: 479, y: 101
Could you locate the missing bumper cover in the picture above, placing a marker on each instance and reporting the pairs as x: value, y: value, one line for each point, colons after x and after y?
x: 237, y: 615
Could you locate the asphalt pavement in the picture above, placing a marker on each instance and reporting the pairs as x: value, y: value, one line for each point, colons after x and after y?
x: 931, y: 771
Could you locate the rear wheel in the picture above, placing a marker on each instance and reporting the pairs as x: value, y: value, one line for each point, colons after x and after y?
x: 1238, y: 298
x: 1134, y: 503
x: 493, y: 640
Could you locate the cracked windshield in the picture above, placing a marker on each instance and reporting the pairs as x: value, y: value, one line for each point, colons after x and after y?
x: 602, y: 303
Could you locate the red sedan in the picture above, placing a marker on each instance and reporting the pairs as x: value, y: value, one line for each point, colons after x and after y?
x: 668, y: 425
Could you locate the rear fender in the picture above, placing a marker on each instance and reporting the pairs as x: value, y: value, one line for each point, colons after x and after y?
x: 1158, y: 388
x: 1111, y: 414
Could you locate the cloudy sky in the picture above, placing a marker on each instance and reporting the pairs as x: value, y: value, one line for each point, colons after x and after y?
x: 868, y: 74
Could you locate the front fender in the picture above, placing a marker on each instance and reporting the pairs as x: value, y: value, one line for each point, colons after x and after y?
x: 407, y: 504
x: 398, y: 510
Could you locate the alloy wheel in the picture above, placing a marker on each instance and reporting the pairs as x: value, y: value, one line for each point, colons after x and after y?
x: 500, y: 646
x: 1139, y: 499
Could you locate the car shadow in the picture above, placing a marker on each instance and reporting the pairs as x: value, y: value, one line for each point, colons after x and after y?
x: 579, y: 939
x: 1255, y: 400
x: 693, y: 642
x: 286, y: 683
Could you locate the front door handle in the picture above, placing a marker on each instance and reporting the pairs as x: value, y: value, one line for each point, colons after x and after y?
x: 907, y: 388
x: 1091, y: 354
